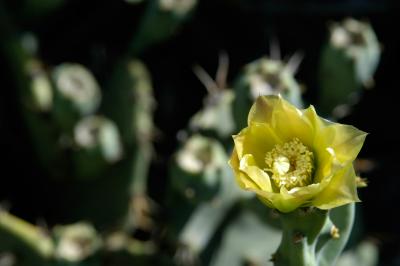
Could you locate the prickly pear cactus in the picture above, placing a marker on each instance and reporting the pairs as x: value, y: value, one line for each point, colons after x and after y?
x: 77, y: 94
x: 95, y: 158
x: 348, y: 63
x: 162, y: 18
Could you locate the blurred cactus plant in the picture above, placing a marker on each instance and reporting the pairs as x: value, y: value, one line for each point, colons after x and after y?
x: 203, y: 159
x: 41, y: 88
x: 161, y: 20
x: 348, y: 63
x: 75, y: 242
x: 216, y: 116
x: 98, y: 144
x: 265, y: 76
x: 77, y: 94
x: 25, y: 243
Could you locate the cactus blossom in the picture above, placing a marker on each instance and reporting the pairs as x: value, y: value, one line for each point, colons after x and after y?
x: 293, y: 158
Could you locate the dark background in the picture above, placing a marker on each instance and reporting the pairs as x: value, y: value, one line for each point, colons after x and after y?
x: 96, y: 33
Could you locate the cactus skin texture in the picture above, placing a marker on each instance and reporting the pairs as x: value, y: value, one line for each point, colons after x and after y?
x: 300, y: 231
x: 130, y: 89
x: 216, y: 116
x: 77, y: 94
x: 32, y: 244
x: 348, y: 63
x: 162, y: 19
x: 247, y: 239
x: 314, y: 237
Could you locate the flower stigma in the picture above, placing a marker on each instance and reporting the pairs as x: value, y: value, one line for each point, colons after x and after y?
x: 290, y: 164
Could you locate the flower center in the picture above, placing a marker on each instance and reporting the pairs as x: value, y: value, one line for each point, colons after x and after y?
x: 290, y: 164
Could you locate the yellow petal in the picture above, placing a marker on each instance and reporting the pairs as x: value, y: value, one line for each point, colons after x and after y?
x: 241, y: 178
x: 306, y: 192
x: 282, y: 202
x: 345, y: 140
x: 261, y: 111
x: 239, y: 141
x: 258, y: 176
x: 289, y: 122
x: 326, y: 164
x: 316, y: 121
x: 342, y: 189
x: 287, y: 201
x: 234, y: 160
x: 334, y: 144
x: 245, y: 182
x: 256, y: 139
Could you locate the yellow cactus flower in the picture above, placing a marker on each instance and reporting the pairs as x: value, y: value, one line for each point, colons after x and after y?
x: 293, y: 158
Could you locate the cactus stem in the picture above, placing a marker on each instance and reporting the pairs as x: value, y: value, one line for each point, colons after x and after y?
x: 300, y: 233
x: 27, y: 235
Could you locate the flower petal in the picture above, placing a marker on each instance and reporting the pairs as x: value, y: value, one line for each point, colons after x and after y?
x: 239, y: 142
x: 280, y: 201
x: 316, y: 121
x: 241, y: 178
x: 287, y: 201
x: 257, y: 139
x: 326, y: 164
x: 306, y: 192
x: 346, y: 141
x: 289, y: 122
x: 258, y: 176
x: 261, y: 111
x: 342, y: 189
